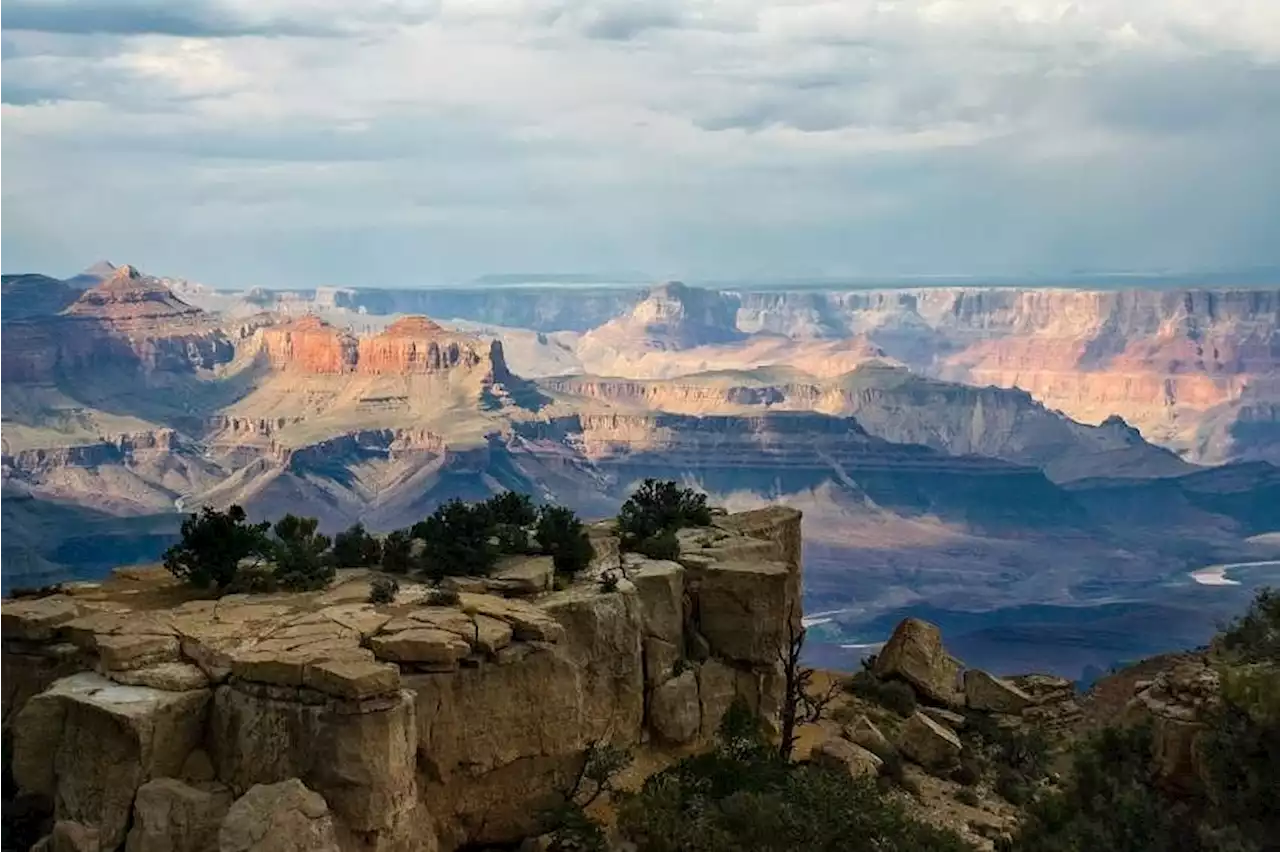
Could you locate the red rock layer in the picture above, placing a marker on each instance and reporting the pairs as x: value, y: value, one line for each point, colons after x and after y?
x: 311, y: 345
x: 411, y: 345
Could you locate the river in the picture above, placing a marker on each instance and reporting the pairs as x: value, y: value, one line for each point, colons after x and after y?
x: 1216, y: 575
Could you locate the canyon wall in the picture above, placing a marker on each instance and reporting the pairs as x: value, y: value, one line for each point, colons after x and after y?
x: 422, y: 726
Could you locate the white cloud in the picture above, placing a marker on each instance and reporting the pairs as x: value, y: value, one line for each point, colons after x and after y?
x: 717, y: 135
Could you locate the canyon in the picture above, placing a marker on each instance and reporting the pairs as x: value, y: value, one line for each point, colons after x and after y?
x: 967, y: 449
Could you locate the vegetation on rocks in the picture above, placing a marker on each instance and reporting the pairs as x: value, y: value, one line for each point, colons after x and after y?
x: 302, y: 559
x: 1114, y: 797
x: 383, y: 590
x: 223, y: 552
x: 892, y: 695
x: 743, y: 795
x: 213, y: 545
x: 654, y: 513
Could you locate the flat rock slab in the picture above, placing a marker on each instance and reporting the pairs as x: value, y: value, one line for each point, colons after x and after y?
x: 35, y: 619
x: 426, y: 645
x: 353, y: 678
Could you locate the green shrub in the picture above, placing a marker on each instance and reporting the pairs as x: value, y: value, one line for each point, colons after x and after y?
x: 442, y: 597
x: 968, y: 796
x: 303, y: 561
x: 511, y: 509
x: 397, y: 553
x: 355, y: 548
x: 1255, y: 636
x: 892, y: 695
x: 213, y: 545
x: 457, y: 540
x: 970, y: 770
x: 1110, y: 802
x: 563, y: 537
x: 609, y: 581
x: 383, y: 590
x: 254, y: 580
x: 742, y: 796
x: 660, y: 506
x: 664, y: 545
x: 1013, y: 786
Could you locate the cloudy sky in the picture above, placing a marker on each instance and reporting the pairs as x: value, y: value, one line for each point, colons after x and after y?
x: 304, y: 142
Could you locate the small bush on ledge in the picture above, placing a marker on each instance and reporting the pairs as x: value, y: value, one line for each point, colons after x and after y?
x: 213, y: 546
x: 654, y: 513
x: 383, y: 590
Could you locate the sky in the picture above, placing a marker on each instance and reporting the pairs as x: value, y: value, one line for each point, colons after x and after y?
x: 408, y: 142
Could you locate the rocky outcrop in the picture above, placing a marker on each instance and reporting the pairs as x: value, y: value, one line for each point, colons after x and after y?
x: 837, y: 753
x: 1178, y: 704
x: 309, y: 345
x: 89, y: 743
x: 283, y: 817
x: 413, y: 723
x: 915, y: 654
x: 410, y: 346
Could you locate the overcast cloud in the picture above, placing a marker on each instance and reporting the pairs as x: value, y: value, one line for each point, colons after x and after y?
x: 402, y: 142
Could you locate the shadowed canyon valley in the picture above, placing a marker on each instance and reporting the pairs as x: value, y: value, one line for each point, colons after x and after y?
x: 1037, y: 470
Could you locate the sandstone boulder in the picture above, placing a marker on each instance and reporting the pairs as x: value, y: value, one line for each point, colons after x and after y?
x: 862, y: 731
x: 915, y: 653
x: 89, y: 743
x: 837, y: 753
x: 984, y: 691
x: 928, y: 743
x: 674, y: 711
x: 947, y: 718
x: 283, y: 817
x: 172, y: 816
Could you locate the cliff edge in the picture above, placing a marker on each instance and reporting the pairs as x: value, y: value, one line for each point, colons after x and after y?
x: 148, y: 719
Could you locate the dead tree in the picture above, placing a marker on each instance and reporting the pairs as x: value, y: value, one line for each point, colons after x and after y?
x: 800, y: 705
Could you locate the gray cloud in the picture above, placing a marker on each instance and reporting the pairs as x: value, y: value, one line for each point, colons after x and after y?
x: 127, y: 17
x: 198, y: 18
x: 698, y: 139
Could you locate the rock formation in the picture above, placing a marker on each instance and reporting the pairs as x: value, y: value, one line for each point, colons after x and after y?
x: 899, y: 406
x: 415, y: 725
x: 412, y: 345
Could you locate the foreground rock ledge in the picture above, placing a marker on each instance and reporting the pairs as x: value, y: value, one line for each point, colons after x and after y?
x: 418, y: 727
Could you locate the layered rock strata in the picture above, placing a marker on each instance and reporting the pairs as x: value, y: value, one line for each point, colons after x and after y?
x: 409, y: 346
x: 421, y: 726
